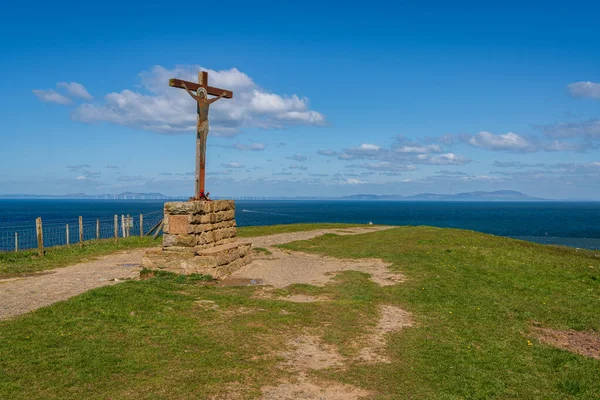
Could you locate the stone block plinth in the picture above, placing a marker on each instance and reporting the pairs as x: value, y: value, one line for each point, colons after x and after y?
x: 199, y: 237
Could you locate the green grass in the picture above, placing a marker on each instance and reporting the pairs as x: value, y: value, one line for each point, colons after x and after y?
x: 474, y: 298
x: 262, y: 250
x: 251, y: 231
x: 28, y: 262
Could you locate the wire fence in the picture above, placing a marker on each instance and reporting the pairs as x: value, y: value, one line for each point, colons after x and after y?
x: 24, y: 236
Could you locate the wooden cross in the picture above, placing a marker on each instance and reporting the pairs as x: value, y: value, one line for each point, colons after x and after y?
x: 202, y: 90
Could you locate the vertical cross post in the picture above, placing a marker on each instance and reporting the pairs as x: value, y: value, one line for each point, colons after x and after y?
x: 200, y: 152
x: 202, y: 108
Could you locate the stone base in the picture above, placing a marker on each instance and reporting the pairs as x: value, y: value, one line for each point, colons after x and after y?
x: 199, y: 238
x: 218, y: 261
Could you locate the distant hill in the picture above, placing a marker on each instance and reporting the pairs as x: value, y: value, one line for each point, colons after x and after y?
x: 500, y: 195
x: 83, y: 196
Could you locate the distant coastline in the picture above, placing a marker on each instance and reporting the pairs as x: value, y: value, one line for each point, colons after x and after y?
x: 483, y: 196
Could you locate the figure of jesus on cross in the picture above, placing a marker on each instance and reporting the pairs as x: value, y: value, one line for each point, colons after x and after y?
x: 202, y: 91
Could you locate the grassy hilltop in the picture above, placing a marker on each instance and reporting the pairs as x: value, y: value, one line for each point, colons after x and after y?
x: 478, y: 302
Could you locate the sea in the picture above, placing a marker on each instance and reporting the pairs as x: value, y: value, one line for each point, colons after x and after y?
x: 575, y: 224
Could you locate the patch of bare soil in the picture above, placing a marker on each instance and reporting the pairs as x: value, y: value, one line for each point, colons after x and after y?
x: 284, y: 268
x: 391, y: 319
x: 207, y: 304
x: 307, y: 390
x: 585, y: 343
x: 21, y: 295
x: 303, y: 298
x: 308, y: 352
x: 268, y: 293
x: 281, y: 238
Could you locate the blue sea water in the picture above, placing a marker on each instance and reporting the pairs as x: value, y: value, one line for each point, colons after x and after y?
x: 574, y: 224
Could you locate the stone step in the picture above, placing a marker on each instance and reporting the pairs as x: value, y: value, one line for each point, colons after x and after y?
x: 217, y: 249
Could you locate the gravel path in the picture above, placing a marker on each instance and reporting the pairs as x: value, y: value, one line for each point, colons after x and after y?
x: 24, y: 294
x: 21, y: 295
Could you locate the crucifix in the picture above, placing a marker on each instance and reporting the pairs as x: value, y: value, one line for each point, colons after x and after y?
x: 202, y: 91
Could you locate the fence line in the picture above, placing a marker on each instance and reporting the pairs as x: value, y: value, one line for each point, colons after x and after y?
x: 23, y: 237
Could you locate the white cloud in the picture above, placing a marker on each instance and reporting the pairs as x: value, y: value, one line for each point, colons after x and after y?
x: 402, y: 155
x: 298, y: 157
x: 248, y: 147
x: 446, y: 159
x: 51, y: 96
x: 585, y: 89
x: 354, y: 181
x: 586, y: 129
x: 369, y: 147
x: 508, y: 141
x: 327, y: 152
x: 233, y: 165
x: 365, y: 150
x: 406, y: 146
x: 160, y: 108
x: 556, y: 145
x: 76, y: 89
x: 385, y: 166
x: 432, y: 148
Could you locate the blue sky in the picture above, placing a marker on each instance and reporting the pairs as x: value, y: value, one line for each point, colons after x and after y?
x: 330, y: 99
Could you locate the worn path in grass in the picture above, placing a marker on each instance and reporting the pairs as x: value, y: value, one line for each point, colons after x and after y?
x: 23, y: 294
x: 279, y: 269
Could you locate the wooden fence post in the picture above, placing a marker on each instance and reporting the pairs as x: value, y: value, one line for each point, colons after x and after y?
x: 16, y: 241
x: 97, y: 229
x: 123, y: 225
x: 40, y: 236
x: 80, y: 232
x: 116, y: 226
x: 128, y: 225
x: 68, y: 236
x: 141, y: 225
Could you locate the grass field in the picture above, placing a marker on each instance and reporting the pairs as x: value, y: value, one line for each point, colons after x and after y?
x: 474, y: 298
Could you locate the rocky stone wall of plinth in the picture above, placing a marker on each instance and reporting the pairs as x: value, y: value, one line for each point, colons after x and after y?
x: 196, y: 225
x: 199, y: 237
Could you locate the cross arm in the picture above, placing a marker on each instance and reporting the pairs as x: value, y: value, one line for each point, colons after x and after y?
x: 178, y: 83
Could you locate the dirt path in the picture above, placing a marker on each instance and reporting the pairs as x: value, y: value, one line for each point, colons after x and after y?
x: 283, y: 268
x: 280, y: 238
x: 21, y: 295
